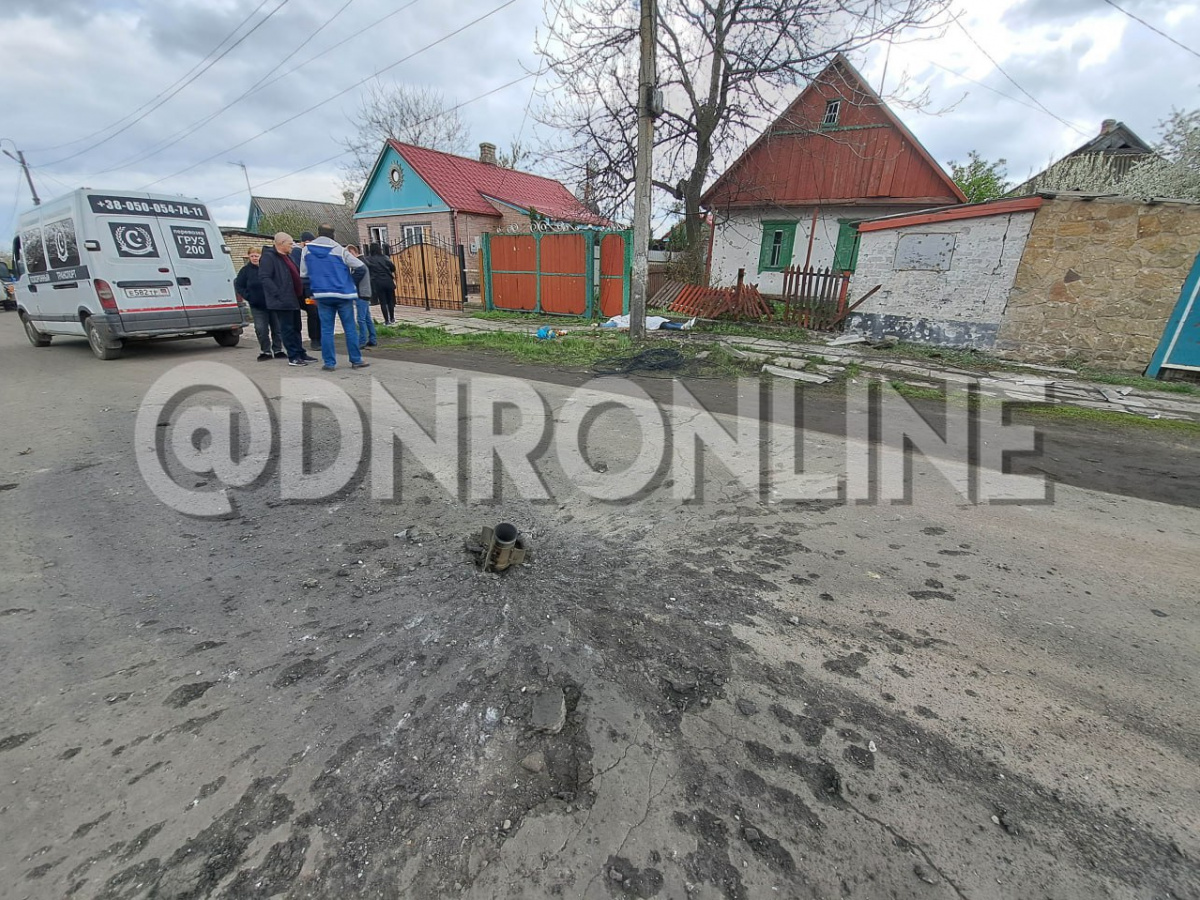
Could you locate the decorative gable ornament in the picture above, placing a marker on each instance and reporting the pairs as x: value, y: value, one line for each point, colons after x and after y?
x: 396, y: 177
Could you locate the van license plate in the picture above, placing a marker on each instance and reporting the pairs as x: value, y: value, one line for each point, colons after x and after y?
x: 148, y: 292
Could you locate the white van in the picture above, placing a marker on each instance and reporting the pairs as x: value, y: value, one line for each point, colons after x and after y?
x: 115, y: 267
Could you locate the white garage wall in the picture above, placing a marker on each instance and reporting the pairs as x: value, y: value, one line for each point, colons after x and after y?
x: 961, y: 306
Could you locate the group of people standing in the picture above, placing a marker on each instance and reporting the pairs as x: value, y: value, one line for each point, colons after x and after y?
x: 319, y: 277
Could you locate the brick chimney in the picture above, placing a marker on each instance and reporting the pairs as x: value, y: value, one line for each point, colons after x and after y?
x: 348, y: 196
x: 1107, y: 125
x: 487, y: 153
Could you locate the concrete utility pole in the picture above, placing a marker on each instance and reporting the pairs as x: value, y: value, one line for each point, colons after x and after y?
x: 649, y: 106
x: 242, y: 166
x: 20, y: 158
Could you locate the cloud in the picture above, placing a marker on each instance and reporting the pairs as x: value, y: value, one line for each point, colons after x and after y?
x: 82, y: 70
x: 79, y: 67
x: 1042, y: 12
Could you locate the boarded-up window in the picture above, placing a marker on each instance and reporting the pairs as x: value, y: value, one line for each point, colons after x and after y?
x: 924, y: 252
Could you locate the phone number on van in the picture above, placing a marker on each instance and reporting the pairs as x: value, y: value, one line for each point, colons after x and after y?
x: 103, y: 203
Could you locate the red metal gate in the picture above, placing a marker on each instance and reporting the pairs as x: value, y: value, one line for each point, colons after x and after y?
x: 554, y: 273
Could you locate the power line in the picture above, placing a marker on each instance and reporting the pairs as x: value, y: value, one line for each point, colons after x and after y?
x: 341, y: 153
x: 525, y: 116
x: 172, y: 93
x: 173, y: 139
x: 1152, y: 28
x: 340, y: 93
x: 1000, y: 69
x: 986, y: 87
x: 220, y: 43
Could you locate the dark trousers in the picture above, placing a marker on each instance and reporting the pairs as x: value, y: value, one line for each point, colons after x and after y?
x: 387, y: 303
x: 314, y: 324
x: 267, y: 329
x: 289, y: 330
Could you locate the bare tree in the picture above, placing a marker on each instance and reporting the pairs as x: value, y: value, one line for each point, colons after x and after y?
x: 517, y: 155
x: 724, y: 68
x: 414, y: 115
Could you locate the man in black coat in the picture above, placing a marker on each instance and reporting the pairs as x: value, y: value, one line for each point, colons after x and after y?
x: 283, y: 291
x: 266, y: 321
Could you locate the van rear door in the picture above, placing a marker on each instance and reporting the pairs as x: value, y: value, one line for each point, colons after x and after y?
x: 203, y: 272
x: 136, y: 263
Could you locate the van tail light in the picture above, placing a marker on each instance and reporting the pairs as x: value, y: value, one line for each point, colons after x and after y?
x: 105, y: 294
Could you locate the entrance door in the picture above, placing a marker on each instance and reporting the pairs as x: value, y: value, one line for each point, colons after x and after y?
x: 615, y: 264
x: 1180, y: 344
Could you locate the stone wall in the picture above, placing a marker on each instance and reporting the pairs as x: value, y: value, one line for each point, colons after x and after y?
x: 956, y: 297
x: 1098, y: 280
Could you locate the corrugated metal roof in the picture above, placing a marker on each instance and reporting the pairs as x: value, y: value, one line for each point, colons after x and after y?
x: 952, y: 213
x: 339, y: 215
x: 867, y: 157
x: 465, y: 184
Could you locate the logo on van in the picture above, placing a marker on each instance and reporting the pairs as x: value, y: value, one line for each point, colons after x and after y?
x: 133, y: 240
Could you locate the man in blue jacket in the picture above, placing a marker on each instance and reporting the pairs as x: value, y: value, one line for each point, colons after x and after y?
x: 327, y: 265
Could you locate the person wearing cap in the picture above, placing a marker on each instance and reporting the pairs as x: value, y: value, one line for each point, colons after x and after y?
x: 308, y: 306
x: 327, y: 266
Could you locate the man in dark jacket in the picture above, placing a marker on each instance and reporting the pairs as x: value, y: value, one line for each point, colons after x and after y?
x: 383, y: 281
x: 283, y: 292
x: 266, y: 321
x: 308, y: 306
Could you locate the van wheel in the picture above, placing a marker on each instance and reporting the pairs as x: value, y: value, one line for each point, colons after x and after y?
x: 101, y: 349
x: 227, y: 338
x: 35, y: 337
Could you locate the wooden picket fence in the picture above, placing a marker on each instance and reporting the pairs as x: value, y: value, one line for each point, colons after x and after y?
x: 815, y: 298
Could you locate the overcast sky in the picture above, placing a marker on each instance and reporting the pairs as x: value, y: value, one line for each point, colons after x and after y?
x: 84, y: 84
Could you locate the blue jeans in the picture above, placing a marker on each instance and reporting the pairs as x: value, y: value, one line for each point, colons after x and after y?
x: 344, y: 309
x: 366, y: 323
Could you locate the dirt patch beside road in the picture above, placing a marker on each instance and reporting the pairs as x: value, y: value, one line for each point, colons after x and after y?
x: 1131, y: 461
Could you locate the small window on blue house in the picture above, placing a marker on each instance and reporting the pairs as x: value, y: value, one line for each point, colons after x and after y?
x: 832, y: 109
x: 775, y: 252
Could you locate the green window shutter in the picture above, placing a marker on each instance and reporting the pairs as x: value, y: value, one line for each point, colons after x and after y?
x: 775, y: 251
x: 845, y: 256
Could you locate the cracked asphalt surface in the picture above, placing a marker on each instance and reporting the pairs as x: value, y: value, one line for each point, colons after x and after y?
x: 810, y: 699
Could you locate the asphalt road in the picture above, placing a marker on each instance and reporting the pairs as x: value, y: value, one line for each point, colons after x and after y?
x: 741, y: 697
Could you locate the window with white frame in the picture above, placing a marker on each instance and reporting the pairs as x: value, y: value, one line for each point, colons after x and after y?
x: 378, y: 235
x: 421, y: 231
x: 832, y: 109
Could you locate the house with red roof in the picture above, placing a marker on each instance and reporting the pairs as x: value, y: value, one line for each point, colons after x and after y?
x: 413, y: 191
x: 837, y: 155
